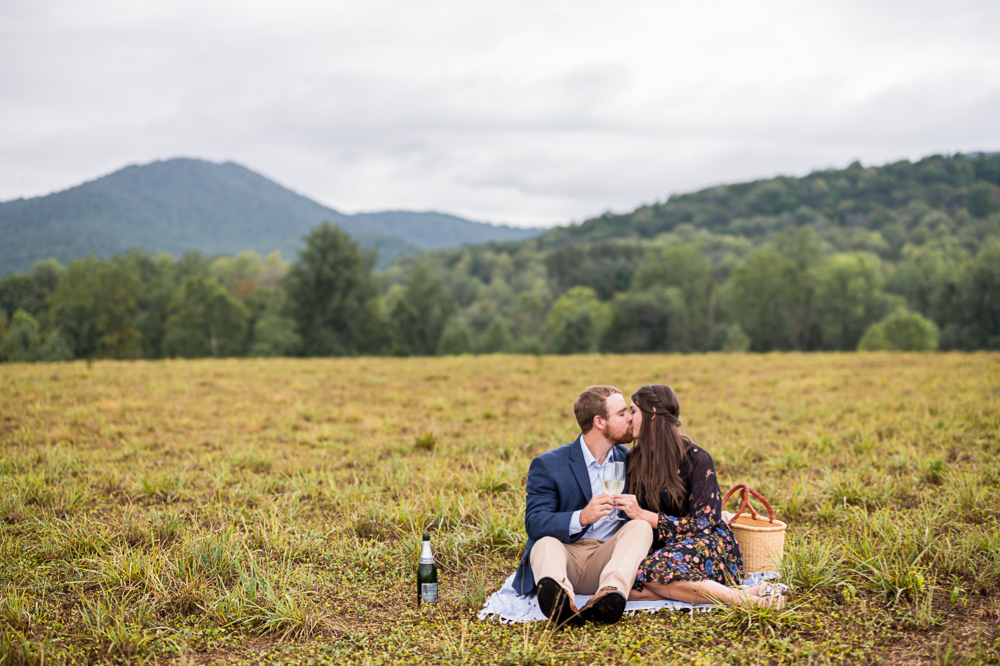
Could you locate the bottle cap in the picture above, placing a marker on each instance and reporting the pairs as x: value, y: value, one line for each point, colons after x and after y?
x: 427, y: 537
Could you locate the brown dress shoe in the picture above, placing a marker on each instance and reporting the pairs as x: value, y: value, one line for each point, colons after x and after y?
x: 556, y: 604
x: 605, y: 607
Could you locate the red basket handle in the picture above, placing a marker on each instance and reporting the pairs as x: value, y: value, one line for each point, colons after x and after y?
x: 745, y: 492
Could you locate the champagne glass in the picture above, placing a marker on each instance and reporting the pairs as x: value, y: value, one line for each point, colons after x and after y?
x: 613, y: 478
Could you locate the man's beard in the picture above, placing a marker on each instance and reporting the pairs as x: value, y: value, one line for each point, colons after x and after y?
x: 624, y: 438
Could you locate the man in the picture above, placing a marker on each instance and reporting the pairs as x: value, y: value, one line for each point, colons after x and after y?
x: 570, y: 549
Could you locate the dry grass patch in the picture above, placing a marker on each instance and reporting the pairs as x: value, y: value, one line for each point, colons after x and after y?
x: 269, y: 511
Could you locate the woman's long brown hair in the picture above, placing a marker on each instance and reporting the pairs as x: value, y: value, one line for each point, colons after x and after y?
x: 657, y: 455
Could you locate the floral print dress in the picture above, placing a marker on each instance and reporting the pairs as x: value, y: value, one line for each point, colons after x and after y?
x: 692, y: 541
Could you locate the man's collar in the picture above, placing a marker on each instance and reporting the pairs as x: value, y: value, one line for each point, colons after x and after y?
x: 588, y: 457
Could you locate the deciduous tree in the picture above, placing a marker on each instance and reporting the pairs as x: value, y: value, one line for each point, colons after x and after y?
x: 333, y: 296
x: 848, y: 298
x: 420, y: 314
x: 576, y: 322
x: 95, y: 306
x: 205, y: 320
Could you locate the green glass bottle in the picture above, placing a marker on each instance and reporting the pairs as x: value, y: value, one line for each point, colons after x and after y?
x: 427, y: 574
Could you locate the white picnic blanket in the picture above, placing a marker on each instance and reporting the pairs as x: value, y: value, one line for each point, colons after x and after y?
x: 509, y: 607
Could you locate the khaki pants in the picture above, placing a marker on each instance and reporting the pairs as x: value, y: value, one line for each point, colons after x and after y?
x: 587, y: 565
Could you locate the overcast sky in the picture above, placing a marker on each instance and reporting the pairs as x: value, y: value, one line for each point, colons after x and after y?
x: 532, y: 113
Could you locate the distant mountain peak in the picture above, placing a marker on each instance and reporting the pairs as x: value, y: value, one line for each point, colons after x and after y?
x: 186, y: 203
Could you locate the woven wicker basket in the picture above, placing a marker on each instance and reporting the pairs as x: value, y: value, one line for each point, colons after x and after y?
x: 762, y: 540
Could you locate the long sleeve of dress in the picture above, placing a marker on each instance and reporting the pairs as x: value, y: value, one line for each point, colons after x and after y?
x: 704, y: 503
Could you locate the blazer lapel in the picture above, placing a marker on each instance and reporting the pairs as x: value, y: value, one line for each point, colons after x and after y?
x: 580, y: 470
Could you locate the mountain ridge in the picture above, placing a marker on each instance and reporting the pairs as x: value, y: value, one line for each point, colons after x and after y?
x: 853, y: 202
x: 183, y: 204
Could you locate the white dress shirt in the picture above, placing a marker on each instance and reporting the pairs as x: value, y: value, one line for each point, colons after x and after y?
x: 603, y: 529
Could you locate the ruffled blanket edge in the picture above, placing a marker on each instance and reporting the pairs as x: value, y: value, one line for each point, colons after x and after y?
x: 508, y: 607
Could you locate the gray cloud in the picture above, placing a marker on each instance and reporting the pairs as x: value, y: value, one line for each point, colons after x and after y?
x: 529, y: 113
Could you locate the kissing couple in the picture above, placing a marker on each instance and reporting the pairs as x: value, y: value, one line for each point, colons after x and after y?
x: 672, y: 543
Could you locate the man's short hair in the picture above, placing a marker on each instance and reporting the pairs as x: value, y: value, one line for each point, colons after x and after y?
x: 592, y: 401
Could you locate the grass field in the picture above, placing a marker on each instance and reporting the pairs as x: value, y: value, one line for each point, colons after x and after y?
x: 269, y: 511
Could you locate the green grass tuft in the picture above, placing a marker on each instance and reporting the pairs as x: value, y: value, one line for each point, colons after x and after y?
x: 252, y: 512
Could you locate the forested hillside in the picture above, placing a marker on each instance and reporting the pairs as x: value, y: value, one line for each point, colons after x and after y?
x: 903, y: 256
x: 846, y: 207
x: 184, y: 204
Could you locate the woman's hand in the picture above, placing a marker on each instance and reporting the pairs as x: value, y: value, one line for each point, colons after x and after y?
x: 629, y: 505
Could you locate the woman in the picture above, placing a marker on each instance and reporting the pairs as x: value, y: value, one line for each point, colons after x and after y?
x: 695, y: 557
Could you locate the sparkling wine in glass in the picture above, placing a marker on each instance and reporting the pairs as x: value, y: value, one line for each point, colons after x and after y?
x: 613, y: 478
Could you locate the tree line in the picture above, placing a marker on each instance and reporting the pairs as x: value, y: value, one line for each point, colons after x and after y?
x: 702, y: 293
x: 911, y: 261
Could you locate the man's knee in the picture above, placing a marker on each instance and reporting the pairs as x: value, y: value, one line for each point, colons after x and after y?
x: 547, y: 543
x: 544, y: 545
x: 639, y: 529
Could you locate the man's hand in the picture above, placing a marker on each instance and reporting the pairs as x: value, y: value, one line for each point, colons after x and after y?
x: 598, y: 507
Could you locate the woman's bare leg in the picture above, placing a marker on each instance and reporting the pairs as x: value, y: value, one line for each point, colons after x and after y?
x: 708, y: 592
x: 644, y: 595
x: 691, y: 592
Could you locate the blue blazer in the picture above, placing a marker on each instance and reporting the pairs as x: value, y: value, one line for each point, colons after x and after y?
x: 558, y: 485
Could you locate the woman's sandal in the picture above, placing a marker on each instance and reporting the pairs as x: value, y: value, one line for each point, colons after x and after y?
x: 768, y: 596
x: 775, y: 601
x: 765, y: 589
